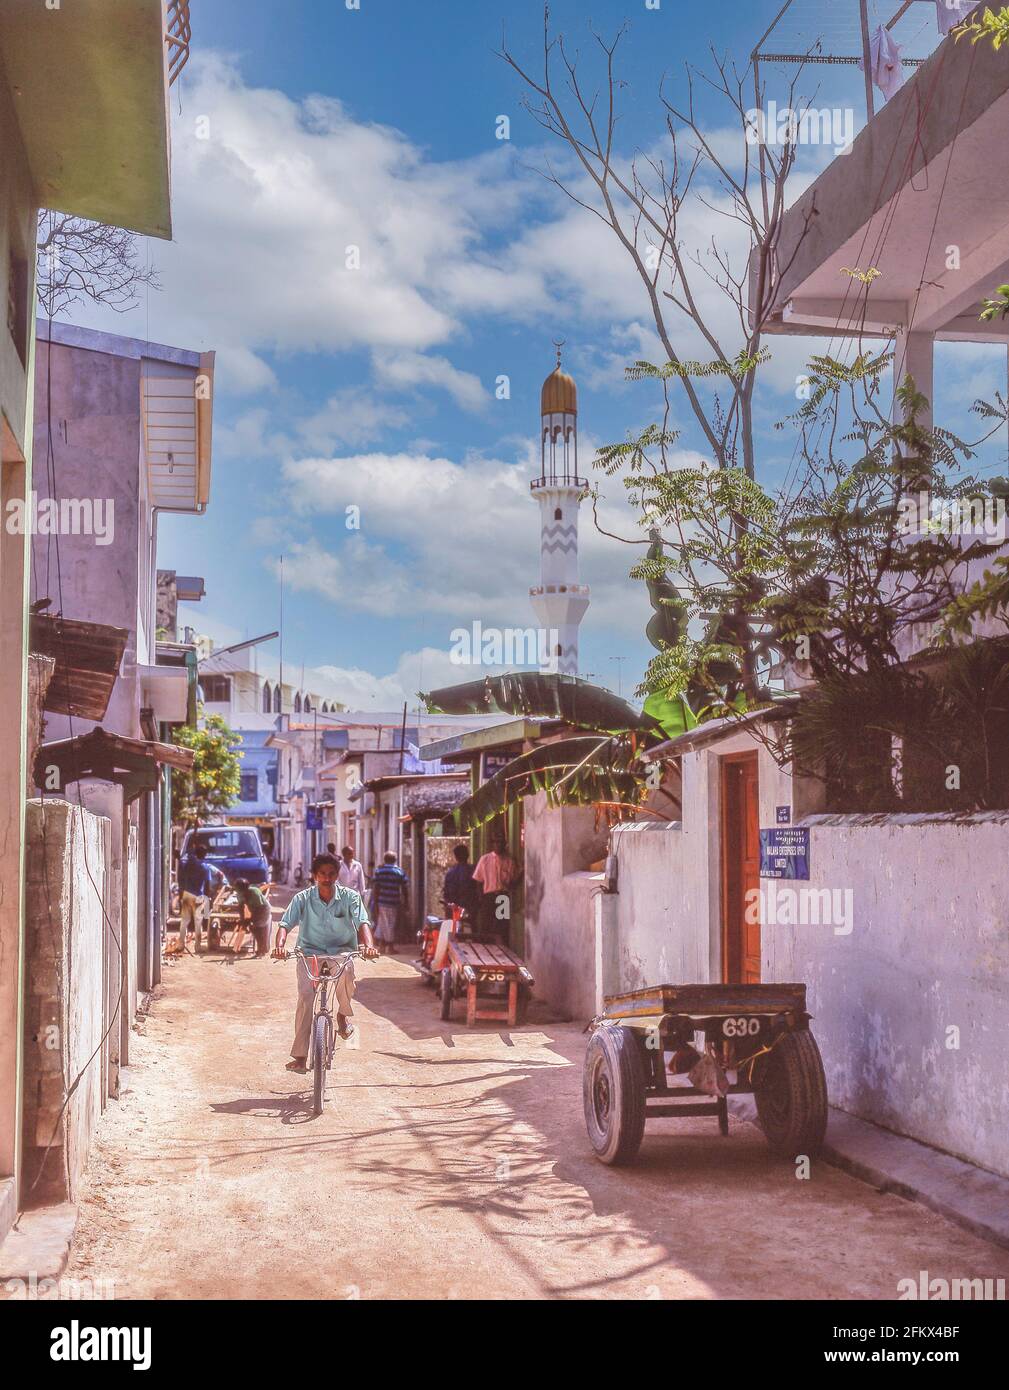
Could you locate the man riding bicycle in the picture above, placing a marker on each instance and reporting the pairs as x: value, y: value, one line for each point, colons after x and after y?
x: 331, y: 919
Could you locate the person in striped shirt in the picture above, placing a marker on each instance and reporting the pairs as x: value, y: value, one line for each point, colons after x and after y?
x: 388, y: 894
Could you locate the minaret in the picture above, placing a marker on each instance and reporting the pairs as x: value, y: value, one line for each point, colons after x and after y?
x: 559, y: 601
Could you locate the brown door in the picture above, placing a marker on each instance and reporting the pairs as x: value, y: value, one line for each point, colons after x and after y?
x: 740, y: 871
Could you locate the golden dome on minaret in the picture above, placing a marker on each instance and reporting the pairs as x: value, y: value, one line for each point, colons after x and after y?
x: 559, y: 394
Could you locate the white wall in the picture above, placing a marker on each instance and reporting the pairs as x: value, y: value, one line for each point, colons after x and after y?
x: 928, y: 950
x: 560, y: 892
x: 65, y: 988
x: 928, y: 953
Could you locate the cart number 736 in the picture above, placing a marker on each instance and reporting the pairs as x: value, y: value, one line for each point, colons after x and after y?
x: 740, y: 1027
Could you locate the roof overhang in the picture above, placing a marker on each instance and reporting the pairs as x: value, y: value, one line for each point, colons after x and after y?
x: 132, y: 763
x: 464, y: 747
x: 919, y: 180
x: 166, y: 692
x: 89, y: 81
x: 87, y: 658
x: 714, y: 730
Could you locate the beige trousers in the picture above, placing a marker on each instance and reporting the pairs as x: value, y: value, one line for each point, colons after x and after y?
x: 191, y: 913
x: 344, y: 993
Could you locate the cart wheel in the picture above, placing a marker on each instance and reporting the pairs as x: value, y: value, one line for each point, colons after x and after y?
x: 791, y: 1094
x: 613, y: 1094
x: 214, y: 935
x: 445, y: 987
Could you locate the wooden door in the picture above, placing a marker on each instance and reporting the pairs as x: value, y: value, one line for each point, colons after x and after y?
x: 740, y: 871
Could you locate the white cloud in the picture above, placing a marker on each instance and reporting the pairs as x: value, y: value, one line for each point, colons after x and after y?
x: 351, y: 417
x: 426, y: 669
x: 406, y: 369
x: 241, y: 372
x: 448, y: 542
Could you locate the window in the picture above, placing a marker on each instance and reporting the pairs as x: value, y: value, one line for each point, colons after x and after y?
x: 276, y: 699
x: 220, y: 842
x: 249, y: 787
x: 216, y: 689
x: 297, y: 703
x: 267, y: 698
x: 558, y: 514
x: 308, y: 704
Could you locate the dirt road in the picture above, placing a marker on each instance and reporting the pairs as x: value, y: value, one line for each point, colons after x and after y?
x: 448, y: 1163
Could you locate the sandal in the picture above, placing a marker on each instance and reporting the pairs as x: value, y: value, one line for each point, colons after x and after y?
x: 297, y: 1064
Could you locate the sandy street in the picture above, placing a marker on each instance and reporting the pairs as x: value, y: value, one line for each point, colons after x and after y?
x: 448, y: 1163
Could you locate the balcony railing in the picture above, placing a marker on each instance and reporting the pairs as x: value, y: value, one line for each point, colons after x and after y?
x: 559, y: 480
x: 178, y: 32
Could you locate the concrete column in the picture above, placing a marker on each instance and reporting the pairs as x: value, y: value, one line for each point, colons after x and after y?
x: 13, y: 744
x: 913, y: 356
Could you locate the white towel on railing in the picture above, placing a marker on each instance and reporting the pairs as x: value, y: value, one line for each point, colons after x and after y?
x: 884, y: 62
x: 952, y: 12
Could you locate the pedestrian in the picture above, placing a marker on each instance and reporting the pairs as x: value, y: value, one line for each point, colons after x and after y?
x: 198, y: 882
x: 254, y: 907
x: 351, y: 871
x: 330, y: 920
x: 459, y: 888
x: 388, y: 892
x: 496, y: 874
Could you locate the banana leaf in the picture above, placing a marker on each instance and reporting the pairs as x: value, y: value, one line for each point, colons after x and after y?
x: 538, y: 695
x: 572, y: 771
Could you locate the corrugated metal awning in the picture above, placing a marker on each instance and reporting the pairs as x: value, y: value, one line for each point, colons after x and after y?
x: 133, y: 763
x: 87, y: 657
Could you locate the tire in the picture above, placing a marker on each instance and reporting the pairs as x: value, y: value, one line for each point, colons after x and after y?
x: 322, y: 1042
x: 790, y: 1090
x: 613, y: 1094
x: 445, y: 990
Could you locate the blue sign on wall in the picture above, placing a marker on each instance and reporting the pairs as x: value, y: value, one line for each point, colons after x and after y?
x: 313, y: 818
x: 784, y: 853
x: 783, y: 815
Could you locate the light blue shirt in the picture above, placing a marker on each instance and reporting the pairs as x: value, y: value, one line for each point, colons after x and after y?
x: 326, y: 929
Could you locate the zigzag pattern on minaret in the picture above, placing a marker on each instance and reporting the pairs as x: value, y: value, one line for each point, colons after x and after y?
x: 559, y: 528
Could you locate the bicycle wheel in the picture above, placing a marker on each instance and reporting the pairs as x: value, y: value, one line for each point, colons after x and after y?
x: 322, y: 1043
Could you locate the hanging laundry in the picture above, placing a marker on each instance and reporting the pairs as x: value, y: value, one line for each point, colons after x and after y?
x: 884, y: 62
x: 950, y: 13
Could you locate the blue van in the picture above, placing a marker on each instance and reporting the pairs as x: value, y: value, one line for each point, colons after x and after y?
x: 235, y: 850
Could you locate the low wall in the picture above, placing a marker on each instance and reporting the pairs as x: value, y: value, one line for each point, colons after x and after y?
x: 647, y: 913
x: 911, y: 1007
x: 64, y: 991
x: 560, y: 932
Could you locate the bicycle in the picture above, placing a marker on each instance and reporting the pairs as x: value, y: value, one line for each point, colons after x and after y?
x: 322, y: 1038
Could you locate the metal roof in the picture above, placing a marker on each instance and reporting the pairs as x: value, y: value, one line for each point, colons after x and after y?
x: 87, y: 657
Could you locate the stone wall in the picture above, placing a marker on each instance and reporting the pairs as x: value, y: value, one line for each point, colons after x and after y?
x: 65, y: 1006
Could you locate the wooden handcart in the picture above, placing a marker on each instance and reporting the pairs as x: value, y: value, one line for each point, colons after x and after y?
x: 678, y: 1051
x: 493, y: 980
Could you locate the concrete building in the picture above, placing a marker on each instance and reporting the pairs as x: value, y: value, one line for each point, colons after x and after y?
x: 84, y: 130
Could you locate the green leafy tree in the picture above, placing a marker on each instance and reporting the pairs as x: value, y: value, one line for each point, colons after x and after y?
x: 214, y: 783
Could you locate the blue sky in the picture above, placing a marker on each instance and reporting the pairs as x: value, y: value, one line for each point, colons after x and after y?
x: 303, y: 128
